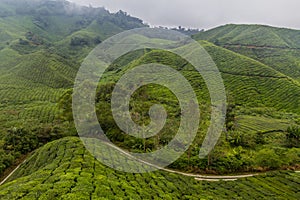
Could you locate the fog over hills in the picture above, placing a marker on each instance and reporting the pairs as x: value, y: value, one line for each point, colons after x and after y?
x: 43, y: 43
x: 207, y: 14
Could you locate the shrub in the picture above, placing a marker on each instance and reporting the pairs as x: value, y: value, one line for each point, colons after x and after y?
x: 269, y: 159
x: 293, y: 136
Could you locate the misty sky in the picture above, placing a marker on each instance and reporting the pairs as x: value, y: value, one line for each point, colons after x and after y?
x: 207, y: 14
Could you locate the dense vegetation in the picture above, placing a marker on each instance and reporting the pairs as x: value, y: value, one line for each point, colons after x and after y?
x: 248, y: 35
x: 276, y: 47
x: 256, y: 123
x: 42, y: 44
x: 65, y: 170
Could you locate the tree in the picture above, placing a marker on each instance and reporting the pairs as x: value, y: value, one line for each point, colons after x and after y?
x: 230, y: 114
x: 78, y: 41
x: 21, y: 140
x: 293, y: 136
x: 269, y: 159
x: 6, y: 160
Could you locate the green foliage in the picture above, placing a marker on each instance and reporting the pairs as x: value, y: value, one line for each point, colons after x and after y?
x: 6, y: 160
x: 20, y: 140
x: 65, y: 107
x: 275, y: 47
x: 248, y: 127
x: 252, y: 83
x: 41, y: 47
x: 230, y: 117
x: 236, y: 139
x: 81, y: 41
x: 269, y: 159
x: 292, y: 157
x: 42, y: 44
x: 63, y: 169
x: 258, y: 35
x: 23, y: 140
x: 293, y: 136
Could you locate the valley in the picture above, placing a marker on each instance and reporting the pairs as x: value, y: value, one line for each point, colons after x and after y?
x: 42, y: 46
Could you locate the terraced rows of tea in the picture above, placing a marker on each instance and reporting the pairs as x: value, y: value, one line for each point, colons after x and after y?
x: 64, y: 169
x: 285, y: 61
x: 259, y: 35
x: 40, y: 55
x: 24, y: 102
x: 250, y: 124
x: 254, y: 84
x: 275, y: 47
x: 38, y: 58
x: 32, y: 86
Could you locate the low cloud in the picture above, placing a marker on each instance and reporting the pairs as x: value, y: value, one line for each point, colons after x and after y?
x: 207, y: 14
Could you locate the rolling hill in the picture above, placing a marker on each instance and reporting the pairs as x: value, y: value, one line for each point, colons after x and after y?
x: 276, y: 47
x: 65, y: 170
x: 260, y: 115
x: 42, y: 45
x: 258, y: 35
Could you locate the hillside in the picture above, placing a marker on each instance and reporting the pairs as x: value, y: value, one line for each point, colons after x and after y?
x: 64, y: 169
x: 42, y: 73
x: 256, y: 125
x: 42, y: 46
x: 258, y: 35
x: 277, y: 47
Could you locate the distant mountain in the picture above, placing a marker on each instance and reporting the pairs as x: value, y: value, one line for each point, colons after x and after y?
x: 258, y: 35
x: 51, y: 23
x: 42, y: 45
x: 277, y: 47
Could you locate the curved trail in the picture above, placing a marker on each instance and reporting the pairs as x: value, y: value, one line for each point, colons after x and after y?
x: 211, y: 178
x: 9, y: 175
x: 198, y: 177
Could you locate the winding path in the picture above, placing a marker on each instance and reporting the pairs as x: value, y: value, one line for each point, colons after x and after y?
x: 9, y: 175
x: 198, y: 177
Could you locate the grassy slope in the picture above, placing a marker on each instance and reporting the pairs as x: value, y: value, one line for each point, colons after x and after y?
x: 34, y: 76
x: 283, y: 60
x: 276, y: 47
x: 45, y: 70
x: 30, y: 95
x: 258, y: 35
x: 64, y: 170
x: 249, y: 83
x: 253, y: 83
